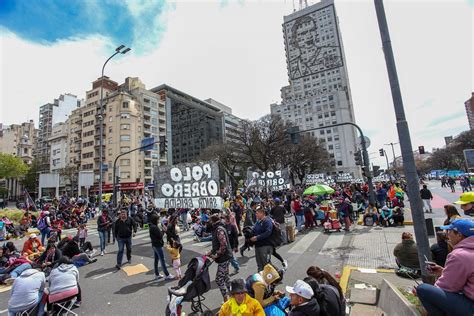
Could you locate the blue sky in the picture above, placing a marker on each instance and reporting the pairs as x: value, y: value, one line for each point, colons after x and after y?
x: 233, y: 51
x: 133, y: 23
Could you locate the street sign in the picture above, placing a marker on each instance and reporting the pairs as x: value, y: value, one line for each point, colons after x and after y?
x: 367, y: 142
x: 105, y: 167
x: 147, y: 143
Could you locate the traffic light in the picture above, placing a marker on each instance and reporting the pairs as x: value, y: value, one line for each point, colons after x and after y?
x: 358, y: 158
x: 381, y: 152
x: 421, y: 149
x: 163, y: 145
x: 293, y: 131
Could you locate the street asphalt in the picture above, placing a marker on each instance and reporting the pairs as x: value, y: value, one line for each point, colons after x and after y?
x: 108, y: 291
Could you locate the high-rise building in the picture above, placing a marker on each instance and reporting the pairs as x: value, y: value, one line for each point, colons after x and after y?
x: 18, y: 140
x: 318, y: 94
x: 469, y: 104
x: 49, y: 115
x: 192, y: 124
x: 58, y: 143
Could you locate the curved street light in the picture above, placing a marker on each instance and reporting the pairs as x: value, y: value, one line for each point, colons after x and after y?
x: 119, y: 50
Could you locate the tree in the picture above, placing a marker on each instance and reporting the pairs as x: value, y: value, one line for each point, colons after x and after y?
x: 30, y: 180
x: 11, y: 167
x: 308, y: 156
x: 69, y: 174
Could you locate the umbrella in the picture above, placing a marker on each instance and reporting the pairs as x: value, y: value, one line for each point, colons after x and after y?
x: 318, y: 189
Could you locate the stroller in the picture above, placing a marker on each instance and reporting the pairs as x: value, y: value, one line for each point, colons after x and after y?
x: 191, y: 287
x: 332, y: 222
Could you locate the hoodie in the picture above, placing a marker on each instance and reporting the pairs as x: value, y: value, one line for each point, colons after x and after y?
x: 63, y: 278
x: 310, y: 308
x: 458, y: 273
x: 25, y: 290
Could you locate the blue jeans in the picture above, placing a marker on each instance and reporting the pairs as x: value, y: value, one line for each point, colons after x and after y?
x: 45, y: 233
x: 299, y: 221
x: 159, y: 256
x: 102, y: 239
x: 19, y: 270
x: 40, y: 308
x: 439, y: 302
x: 121, y: 243
x: 234, y: 263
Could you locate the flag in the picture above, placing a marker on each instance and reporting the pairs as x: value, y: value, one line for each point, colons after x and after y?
x: 29, y: 201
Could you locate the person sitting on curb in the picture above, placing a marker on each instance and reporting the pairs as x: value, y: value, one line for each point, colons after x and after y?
x: 386, y: 216
x: 406, y: 257
x: 371, y: 212
x: 240, y: 302
x: 439, y: 251
x: 302, y: 301
x: 453, y: 292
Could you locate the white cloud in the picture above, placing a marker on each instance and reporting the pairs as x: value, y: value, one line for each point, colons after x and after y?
x: 234, y: 53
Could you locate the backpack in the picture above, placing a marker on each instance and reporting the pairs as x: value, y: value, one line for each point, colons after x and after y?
x: 275, y: 237
x: 42, y: 224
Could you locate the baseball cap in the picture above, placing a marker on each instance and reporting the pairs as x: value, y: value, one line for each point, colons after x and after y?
x: 463, y: 226
x: 277, y: 200
x: 33, y: 236
x: 466, y: 198
x: 301, y: 288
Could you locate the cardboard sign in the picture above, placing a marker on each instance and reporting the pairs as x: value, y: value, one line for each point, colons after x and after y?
x: 315, y: 178
x: 188, y: 185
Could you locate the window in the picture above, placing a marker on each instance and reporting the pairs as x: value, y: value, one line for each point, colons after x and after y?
x: 111, y: 119
x: 330, y: 147
x: 339, y: 163
x: 110, y: 140
x: 125, y: 175
x: 88, y: 155
x: 321, y: 132
x: 124, y: 105
x: 87, y: 144
x: 124, y: 126
x: 89, y: 133
x: 110, y: 151
x: 124, y: 138
x: 124, y: 149
x: 124, y: 115
x: 110, y: 130
x: 88, y: 123
x: 125, y: 162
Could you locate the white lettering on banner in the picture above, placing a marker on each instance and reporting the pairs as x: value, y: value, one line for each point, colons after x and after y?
x: 188, y: 186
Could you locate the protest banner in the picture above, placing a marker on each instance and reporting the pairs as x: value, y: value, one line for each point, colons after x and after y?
x: 344, y: 177
x: 315, y: 178
x: 271, y: 180
x: 188, y: 185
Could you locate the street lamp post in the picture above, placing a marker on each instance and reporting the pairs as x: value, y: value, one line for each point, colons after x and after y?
x: 119, y: 50
x: 394, y: 158
x: 405, y: 145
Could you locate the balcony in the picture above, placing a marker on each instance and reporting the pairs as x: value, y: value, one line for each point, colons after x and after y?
x: 98, y: 146
x: 97, y: 124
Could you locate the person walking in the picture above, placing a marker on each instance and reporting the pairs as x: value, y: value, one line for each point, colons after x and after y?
x: 183, y: 214
x: 234, y: 241
x: 299, y: 213
x: 262, y: 232
x: 125, y: 227
x: 156, y: 236
x: 103, y: 226
x: 221, y: 253
x: 426, y: 196
x: 278, y: 214
x: 452, y: 184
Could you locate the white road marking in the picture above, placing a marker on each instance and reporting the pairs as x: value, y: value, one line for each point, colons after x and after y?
x: 4, y: 311
x: 303, y: 244
x: 101, y: 275
x: 203, y: 244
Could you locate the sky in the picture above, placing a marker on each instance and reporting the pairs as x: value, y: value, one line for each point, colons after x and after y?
x: 233, y: 52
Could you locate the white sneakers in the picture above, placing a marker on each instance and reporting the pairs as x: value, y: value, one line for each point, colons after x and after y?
x: 285, y: 264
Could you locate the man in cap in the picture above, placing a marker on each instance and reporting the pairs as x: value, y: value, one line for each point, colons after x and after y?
x: 453, y: 292
x: 301, y: 300
x: 466, y: 200
x: 240, y: 302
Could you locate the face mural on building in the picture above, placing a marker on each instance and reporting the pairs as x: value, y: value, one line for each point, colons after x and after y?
x: 313, y: 47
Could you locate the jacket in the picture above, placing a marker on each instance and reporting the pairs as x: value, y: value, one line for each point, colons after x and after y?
x: 102, y: 225
x: 249, y: 307
x: 250, y: 218
x: 233, y: 235
x: 156, y: 236
x: 458, y: 273
x: 29, y: 248
x: 407, y: 254
x: 25, y: 290
x: 278, y: 214
x: 123, y: 229
x: 310, y: 308
x: 426, y: 194
x: 263, y: 230
x: 71, y: 248
x: 174, y: 252
x: 63, y: 278
x: 220, y: 244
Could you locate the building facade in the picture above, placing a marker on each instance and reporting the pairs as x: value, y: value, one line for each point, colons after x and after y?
x: 318, y: 94
x: 58, y: 143
x: 18, y: 140
x: 49, y: 115
x: 469, y: 104
x: 192, y: 124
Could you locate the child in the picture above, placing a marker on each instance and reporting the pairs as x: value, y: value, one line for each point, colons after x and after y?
x: 82, y: 234
x: 174, y: 251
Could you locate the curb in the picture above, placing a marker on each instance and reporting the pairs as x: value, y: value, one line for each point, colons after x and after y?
x: 361, y: 221
x: 346, y: 273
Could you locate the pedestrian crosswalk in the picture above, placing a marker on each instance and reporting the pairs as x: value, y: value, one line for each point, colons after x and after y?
x: 304, y: 243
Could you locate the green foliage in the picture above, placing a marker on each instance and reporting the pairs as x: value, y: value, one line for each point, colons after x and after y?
x: 29, y: 181
x: 11, y: 167
x: 452, y: 157
x: 15, y: 215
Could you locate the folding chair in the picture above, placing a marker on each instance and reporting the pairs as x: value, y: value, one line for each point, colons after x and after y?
x: 63, y: 306
x: 29, y: 312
